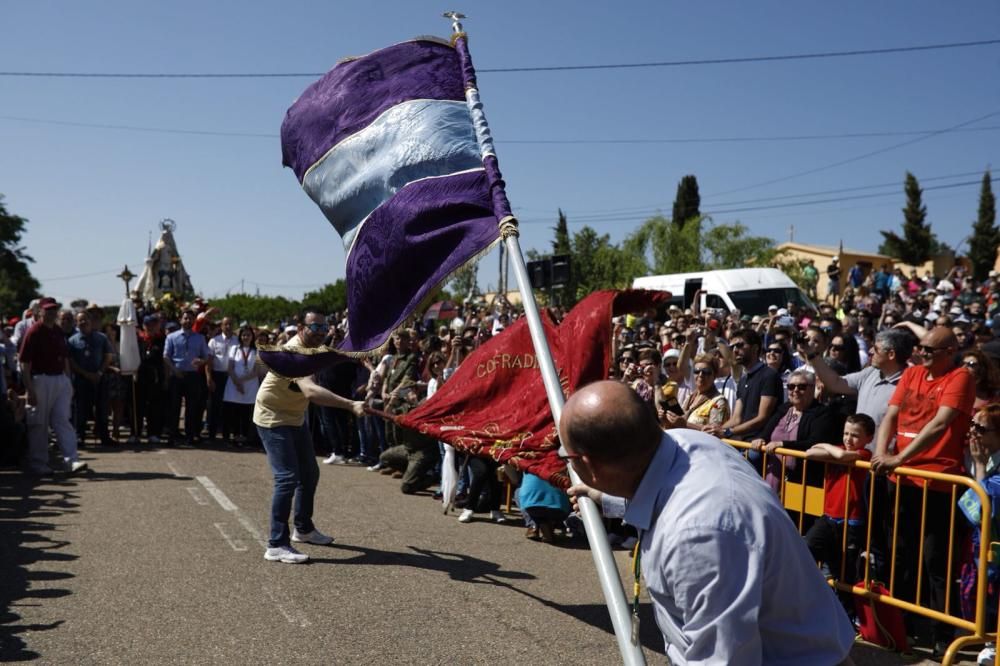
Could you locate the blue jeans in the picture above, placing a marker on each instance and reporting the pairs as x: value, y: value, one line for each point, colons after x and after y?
x: 371, y: 434
x: 293, y: 463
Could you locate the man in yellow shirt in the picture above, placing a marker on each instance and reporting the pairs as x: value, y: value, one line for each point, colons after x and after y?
x: 280, y: 416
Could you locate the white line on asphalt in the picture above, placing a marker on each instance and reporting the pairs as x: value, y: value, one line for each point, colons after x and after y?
x: 249, y: 526
x: 196, y: 496
x: 233, y: 543
x: 290, y: 615
x: 289, y: 611
x: 214, y: 491
x: 173, y: 468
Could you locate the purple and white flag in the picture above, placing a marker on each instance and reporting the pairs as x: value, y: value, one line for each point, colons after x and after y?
x: 390, y: 147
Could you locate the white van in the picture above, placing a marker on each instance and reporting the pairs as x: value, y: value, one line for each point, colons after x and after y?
x: 749, y: 290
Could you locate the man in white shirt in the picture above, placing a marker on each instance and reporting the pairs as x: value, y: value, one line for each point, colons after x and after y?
x: 731, y: 580
x: 220, y: 346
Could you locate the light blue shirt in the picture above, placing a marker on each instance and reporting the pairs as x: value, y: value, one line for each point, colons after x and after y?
x: 731, y: 579
x: 183, y: 347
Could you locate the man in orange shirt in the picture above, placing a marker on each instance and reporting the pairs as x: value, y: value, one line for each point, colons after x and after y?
x: 928, y: 417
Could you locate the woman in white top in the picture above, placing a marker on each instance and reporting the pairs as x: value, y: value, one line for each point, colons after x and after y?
x: 241, y: 389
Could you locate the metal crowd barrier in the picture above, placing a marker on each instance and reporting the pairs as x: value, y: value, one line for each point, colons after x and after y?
x: 805, y: 500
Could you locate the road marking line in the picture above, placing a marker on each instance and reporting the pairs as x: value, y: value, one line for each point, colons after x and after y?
x: 173, y: 468
x: 233, y: 543
x: 196, y: 496
x: 250, y: 527
x: 220, y: 497
x: 289, y: 611
x: 291, y: 616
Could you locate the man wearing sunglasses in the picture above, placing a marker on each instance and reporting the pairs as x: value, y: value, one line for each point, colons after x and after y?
x: 928, y: 417
x: 280, y: 416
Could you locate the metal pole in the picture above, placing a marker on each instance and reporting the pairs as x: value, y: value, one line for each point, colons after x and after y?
x: 607, y: 569
x: 604, y: 561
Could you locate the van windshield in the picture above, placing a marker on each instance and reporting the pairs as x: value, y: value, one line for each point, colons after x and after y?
x: 757, y: 301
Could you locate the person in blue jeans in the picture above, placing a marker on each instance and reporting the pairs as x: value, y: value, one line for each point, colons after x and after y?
x: 280, y: 416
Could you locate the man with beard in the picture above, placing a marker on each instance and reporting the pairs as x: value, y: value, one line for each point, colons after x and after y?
x: 758, y: 393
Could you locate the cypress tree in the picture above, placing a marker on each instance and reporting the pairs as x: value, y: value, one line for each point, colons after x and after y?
x: 687, y: 203
x: 917, y: 243
x: 985, y: 234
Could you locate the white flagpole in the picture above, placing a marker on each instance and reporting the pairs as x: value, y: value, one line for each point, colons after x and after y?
x: 607, y: 569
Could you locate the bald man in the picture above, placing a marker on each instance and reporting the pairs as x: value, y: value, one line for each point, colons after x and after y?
x: 928, y: 418
x: 731, y: 580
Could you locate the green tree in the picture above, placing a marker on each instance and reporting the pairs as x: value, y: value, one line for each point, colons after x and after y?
x: 731, y: 246
x: 687, y: 203
x: 464, y: 282
x: 985, y: 235
x: 257, y: 310
x: 600, y: 264
x: 562, y: 243
x: 918, y: 243
x: 667, y: 247
x: 17, y: 285
x: 328, y: 298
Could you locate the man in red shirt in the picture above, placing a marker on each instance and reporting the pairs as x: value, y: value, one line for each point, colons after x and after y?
x: 45, y: 368
x: 928, y: 417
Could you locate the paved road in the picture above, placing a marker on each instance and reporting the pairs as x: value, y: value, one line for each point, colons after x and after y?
x: 156, y: 557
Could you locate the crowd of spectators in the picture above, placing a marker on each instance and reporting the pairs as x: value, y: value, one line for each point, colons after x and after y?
x: 894, y: 369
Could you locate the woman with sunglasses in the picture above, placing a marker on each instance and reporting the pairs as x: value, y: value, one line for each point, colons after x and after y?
x: 705, y: 406
x: 987, y: 377
x: 844, y: 350
x: 983, y: 463
x: 778, y: 358
x: 797, y: 424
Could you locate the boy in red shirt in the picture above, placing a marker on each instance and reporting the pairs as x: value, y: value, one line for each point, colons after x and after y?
x: 843, y: 499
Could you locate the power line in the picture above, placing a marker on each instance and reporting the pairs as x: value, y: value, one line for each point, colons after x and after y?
x: 84, y: 275
x: 136, y: 128
x: 651, y: 141
x: 858, y: 158
x: 602, y: 214
x: 638, y: 217
x: 508, y: 70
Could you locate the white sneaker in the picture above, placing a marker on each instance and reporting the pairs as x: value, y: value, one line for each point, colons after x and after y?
x: 497, y: 517
x: 988, y: 655
x: 334, y: 459
x: 466, y: 516
x: 77, y: 466
x: 374, y: 468
x: 285, y: 554
x: 315, y: 537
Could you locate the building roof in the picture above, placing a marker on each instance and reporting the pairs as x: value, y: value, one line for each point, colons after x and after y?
x: 832, y: 250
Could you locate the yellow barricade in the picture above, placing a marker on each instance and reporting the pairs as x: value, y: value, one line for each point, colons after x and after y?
x: 803, y: 500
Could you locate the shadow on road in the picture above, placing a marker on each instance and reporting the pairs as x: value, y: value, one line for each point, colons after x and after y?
x: 26, y: 542
x: 462, y: 568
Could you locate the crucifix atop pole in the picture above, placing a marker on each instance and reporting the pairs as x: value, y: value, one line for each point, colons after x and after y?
x: 126, y: 276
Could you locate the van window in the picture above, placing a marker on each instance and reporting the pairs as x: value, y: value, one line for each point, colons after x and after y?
x: 715, y: 302
x: 757, y: 301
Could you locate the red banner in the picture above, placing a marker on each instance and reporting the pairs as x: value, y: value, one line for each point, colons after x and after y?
x: 495, y: 403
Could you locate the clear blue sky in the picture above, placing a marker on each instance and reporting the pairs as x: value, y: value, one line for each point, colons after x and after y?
x: 93, y: 195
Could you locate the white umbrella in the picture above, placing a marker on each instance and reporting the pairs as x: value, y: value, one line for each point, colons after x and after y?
x: 128, y: 353
x: 127, y: 339
x: 449, y: 479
